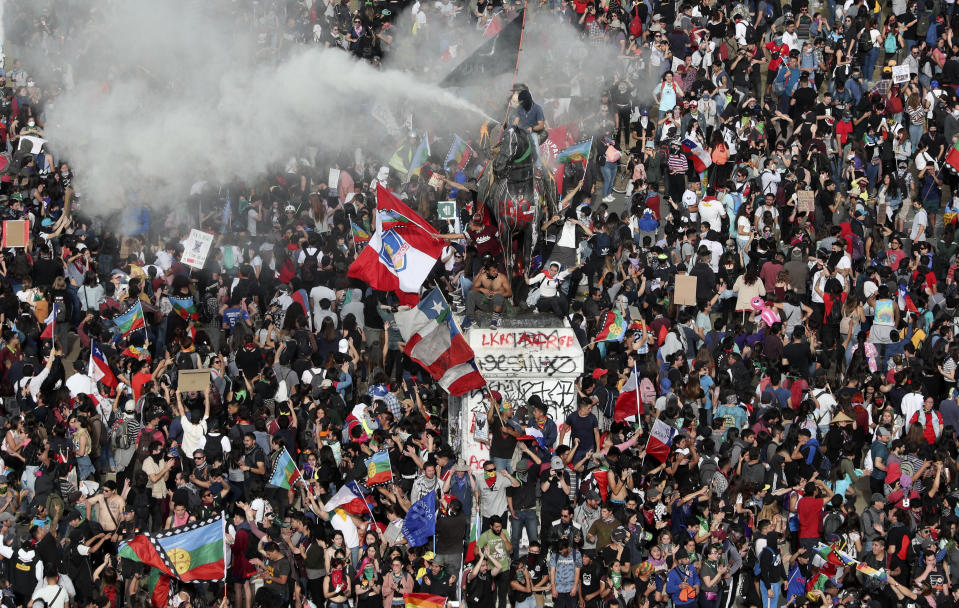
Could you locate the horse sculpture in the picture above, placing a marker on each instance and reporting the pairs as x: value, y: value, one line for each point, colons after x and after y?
x: 518, y: 194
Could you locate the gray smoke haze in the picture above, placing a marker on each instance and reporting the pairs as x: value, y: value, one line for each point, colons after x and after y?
x: 162, y: 94
x: 166, y: 95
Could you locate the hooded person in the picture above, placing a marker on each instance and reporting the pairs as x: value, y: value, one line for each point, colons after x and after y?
x: 529, y: 116
x: 24, y: 575
x: 382, y: 178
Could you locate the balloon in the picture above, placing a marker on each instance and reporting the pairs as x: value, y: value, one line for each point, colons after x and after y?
x: 767, y: 314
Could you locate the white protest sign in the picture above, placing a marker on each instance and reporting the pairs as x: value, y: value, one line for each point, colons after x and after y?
x: 333, y: 182
x: 900, y: 74
x: 197, y: 248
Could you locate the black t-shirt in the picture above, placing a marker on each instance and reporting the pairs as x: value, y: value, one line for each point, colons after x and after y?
x: 805, y: 100
x: 797, y: 353
x: 501, y: 444
x: 590, y: 576
x: 524, y: 495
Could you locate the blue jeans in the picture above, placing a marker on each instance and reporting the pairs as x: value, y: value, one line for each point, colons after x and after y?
x: 869, y: 63
x: 915, y: 133
x: 529, y: 602
x: 525, y: 518
x: 503, y: 463
x: 84, y: 467
x: 770, y: 602
x: 609, y: 174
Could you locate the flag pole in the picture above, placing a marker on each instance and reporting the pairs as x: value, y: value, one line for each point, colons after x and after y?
x: 639, y: 405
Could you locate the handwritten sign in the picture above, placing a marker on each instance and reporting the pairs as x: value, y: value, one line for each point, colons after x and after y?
x: 197, y: 248
x: 805, y: 199
x: 435, y: 181
x: 900, y: 74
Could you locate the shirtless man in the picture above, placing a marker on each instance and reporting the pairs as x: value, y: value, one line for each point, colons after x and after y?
x: 489, y: 293
x: 109, y: 505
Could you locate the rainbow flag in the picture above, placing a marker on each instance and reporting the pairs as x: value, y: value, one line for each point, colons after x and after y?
x: 378, y: 469
x: 285, y: 472
x: 879, y: 575
x: 423, y: 600
x: 360, y: 236
x: 131, y: 320
x: 185, y: 308
x: 613, y: 329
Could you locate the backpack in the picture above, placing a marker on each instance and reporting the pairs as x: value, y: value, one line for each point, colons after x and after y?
x: 636, y: 25
x: 891, y: 45
x: 120, y: 437
x: 835, y: 313
x: 707, y: 468
x: 757, y: 558
x: 752, y: 37
x: 213, y: 448
x: 647, y: 222
x: 61, y: 308
x: 304, y: 348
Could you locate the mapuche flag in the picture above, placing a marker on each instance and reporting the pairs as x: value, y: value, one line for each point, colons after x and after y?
x: 378, y: 469
x: 194, y: 552
x: 131, y: 320
x: 285, y: 472
x: 185, y: 308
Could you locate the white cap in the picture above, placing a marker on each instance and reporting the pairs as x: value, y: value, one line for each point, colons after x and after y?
x: 689, y: 198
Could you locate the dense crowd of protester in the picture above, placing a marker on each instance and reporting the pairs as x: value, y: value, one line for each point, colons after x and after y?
x: 783, y: 158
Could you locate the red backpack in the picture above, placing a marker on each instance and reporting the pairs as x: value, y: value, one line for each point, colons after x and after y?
x: 636, y: 25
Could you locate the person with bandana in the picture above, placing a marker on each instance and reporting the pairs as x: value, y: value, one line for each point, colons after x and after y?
x: 682, y: 582
x: 492, y: 492
x: 528, y: 116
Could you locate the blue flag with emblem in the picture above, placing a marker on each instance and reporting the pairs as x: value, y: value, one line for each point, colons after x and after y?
x: 420, y: 522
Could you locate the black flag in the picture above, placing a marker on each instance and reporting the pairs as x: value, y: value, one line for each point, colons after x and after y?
x: 494, y: 57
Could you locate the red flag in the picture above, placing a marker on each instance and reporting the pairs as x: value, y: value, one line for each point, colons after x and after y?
x: 51, y: 321
x: 401, y: 252
x: 627, y: 404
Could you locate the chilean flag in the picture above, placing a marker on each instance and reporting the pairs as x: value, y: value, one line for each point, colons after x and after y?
x: 660, y: 440
x: 696, y: 153
x: 628, y: 404
x: 99, y: 369
x: 51, y: 320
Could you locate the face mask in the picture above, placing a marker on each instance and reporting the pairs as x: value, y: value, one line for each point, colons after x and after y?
x: 31, y: 123
x: 628, y: 595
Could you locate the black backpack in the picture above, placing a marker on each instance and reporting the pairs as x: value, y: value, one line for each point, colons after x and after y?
x: 61, y: 308
x: 304, y: 347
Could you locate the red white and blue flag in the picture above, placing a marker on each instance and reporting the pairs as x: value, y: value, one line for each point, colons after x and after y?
x: 99, y: 369
x: 401, y: 252
x: 51, y: 322
x: 349, y: 498
x: 696, y: 153
x: 660, y: 440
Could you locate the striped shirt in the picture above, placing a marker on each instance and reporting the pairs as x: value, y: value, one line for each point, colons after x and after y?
x: 678, y: 163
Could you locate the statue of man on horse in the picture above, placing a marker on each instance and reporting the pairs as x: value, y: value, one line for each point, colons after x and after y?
x: 516, y: 187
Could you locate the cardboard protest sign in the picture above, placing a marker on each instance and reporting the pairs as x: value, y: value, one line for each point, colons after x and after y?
x: 685, y: 293
x: 805, y: 201
x: 16, y: 233
x: 193, y: 380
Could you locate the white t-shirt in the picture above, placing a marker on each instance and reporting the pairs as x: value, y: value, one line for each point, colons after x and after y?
x: 344, y: 524
x: 54, y: 596
x: 921, y: 220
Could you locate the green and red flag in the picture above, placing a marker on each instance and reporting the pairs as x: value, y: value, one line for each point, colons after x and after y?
x: 285, y: 472
x: 158, y: 587
x: 131, y: 320
x: 194, y: 552
x: 474, y: 537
